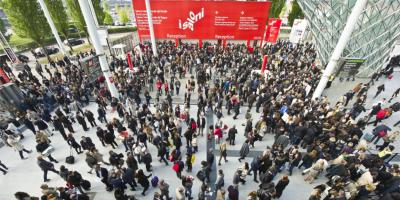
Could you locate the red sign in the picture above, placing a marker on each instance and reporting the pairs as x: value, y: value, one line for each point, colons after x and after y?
x: 185, y: 19
x: 264, y: 64
x: 4, y: 77
x: 274, y: 25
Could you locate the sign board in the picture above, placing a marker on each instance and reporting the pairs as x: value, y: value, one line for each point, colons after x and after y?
x: 91, y: 66
x: 298, y: 30
x: 348, y: 67
x: 186, y: 19
x: 272, y: 33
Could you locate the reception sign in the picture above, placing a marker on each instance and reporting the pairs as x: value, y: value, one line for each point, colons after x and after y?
x: 226, y: 20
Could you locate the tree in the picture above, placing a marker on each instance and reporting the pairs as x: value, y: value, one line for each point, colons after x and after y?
x: 59, y: 16
x: 99, y: 11
x: 276, y: 8
x: 122, y: 15
x: 27, y: 20
x: 75, y: 13
x: 295, y: 13
x: 108, y: 20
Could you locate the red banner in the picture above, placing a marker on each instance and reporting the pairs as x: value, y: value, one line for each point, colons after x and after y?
x: 129, y: 60
x: 4, y: 77
x: 226, y: 20
x: 272, y: 33
x: 264, y: 64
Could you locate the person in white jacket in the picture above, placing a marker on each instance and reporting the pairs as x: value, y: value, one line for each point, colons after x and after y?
x: 14, y: 142
x: 180, y: 193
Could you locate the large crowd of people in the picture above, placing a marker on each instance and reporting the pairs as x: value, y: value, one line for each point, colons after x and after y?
x: 318, y: 136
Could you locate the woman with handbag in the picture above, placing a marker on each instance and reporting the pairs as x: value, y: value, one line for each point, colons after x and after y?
x: 14, y: 142
x: 45, y: 149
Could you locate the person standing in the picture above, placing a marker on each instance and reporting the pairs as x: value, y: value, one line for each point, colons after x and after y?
x: 232, y: 134
x: 281, y: 185
x: 102, y: 173
x: 5, y: 168
x: 73, y: 144
x: 81, y: 120
x: 219, y: 183
x: 59, y: 127
x: 90, y: 117
x: 223, y: 152
x: 46, y: 166
x: 244, y: 150
x: 14, y: 142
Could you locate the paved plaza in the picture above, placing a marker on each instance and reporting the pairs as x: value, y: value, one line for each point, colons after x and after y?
x: 25, y: 175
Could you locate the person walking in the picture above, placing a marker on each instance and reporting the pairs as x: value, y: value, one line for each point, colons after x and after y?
x: 164, y: 189
x: 103, y: 174
x: 46, y: 166
x: 45, y: 149
x: 143, y: 180
x: 281, y: 185
x: 223, y: 152
x: 379, y: 90
x: 244, y: 151
x: 14, y: 142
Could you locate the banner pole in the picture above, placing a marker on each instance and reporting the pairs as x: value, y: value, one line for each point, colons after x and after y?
x: 151, y: 28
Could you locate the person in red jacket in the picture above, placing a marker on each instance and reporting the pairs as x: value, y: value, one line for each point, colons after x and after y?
x: 166, y: 87
x: 159, y: 85
x: 380, y: 115
x: 218, y: 134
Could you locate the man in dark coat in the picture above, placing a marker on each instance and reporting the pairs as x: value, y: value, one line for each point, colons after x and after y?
x: 59, y: 127
x: 244, y: 150
x: 46, y: 166
x: 81, y: 120
x: 232, y: 134
x: 90, y: 117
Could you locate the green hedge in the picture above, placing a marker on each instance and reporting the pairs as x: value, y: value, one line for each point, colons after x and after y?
x: 48, y: 41
x: 122, y: 29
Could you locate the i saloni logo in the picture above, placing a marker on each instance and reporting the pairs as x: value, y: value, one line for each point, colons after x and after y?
x: 191, y: 20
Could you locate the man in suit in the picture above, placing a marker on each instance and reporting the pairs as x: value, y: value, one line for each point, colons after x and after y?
x: 46, y: 166
x: 102, y: 173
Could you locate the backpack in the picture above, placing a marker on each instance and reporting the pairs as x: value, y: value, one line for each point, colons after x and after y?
x: 201, y: 175
x: 86, y: 185
x: 154, y: 181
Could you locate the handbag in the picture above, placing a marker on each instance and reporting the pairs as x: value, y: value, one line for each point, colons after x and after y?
x: 48, y: 151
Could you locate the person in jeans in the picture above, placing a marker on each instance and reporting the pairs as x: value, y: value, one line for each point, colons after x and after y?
x: 13, y: 141
x: 46, y: 166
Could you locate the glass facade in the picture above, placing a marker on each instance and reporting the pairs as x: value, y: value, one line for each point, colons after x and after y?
x: 374, y: 36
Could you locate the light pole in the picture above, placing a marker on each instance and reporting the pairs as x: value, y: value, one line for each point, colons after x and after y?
x: 343, y: 40
x: 151, y: 28
x: 91, y: 26
x: 52, y: 26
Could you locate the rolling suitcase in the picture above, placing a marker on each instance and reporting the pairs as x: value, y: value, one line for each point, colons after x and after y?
x: 70, y: 159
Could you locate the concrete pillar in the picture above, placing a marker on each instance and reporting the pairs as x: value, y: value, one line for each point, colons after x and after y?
x: 52, y: 26
x: 91, y: 26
